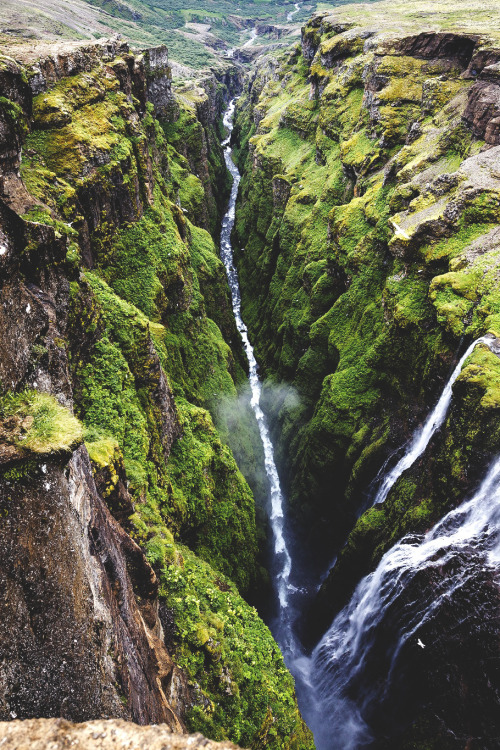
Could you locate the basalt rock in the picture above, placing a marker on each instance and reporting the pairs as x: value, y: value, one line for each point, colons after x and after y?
x: 483, y: 108
x: 74, y: 641
x: 455, y: 48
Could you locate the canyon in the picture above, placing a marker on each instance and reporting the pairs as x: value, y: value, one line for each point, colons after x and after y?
x: 299, y: 427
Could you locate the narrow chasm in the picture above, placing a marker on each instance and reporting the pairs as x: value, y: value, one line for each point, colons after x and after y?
x: 250, y: 386
x: 366, y: 243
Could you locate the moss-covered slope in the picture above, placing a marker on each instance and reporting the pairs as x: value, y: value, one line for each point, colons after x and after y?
x: 368, y: 248
x: 145, y: 361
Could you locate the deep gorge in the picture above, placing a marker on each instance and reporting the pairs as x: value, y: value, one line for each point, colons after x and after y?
x: 136, y: 527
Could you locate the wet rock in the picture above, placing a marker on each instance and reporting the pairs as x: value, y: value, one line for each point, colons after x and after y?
x: 281, y: 192
x: 445, y: 690
x: 74, y: 641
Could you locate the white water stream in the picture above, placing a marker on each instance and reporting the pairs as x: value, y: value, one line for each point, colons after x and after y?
x: 342, y: 656
x: 422, y: 437
x: 282, y: 559
x: 253, y: 37
x: 290, y: 16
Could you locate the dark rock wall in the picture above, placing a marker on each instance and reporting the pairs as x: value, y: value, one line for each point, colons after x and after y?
x: 80, y: 634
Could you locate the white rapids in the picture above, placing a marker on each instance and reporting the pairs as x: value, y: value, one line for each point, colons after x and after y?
x: 341, y: 656
x: 422, y: 437
x: 282, y: 559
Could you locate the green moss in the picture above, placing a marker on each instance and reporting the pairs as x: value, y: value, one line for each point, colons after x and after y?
x: 15, y: 116
x: 230, y: 655
x: 482, y: 370
x: 205, y: 491
x: 43, y: 425
x: 359, y: 152
x: 102, y: 450
x: 148, y: 353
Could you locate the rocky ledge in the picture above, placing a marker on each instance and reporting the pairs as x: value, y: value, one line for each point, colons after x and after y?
x: 56, y: 734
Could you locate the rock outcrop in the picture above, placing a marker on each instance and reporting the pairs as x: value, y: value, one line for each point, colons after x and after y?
x: 110, y: 462
x: 56, y: 734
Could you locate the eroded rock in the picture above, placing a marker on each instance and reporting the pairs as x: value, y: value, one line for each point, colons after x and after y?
x: 56, y: 734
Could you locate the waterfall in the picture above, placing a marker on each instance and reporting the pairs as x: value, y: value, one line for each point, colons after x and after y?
x: 364, y: 631
x: 282, y: 559
x: 290, y: 15
x: 249, y: 42
x: 422, y: 437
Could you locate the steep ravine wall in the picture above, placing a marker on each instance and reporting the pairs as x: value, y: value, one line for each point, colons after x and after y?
x: 367, y: 242
x: 367, y: 245
x: 127, y: 531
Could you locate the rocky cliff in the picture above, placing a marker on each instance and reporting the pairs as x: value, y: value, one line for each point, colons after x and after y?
x: 126, y: 525
x: 367, y: 229
x: 370, y: 190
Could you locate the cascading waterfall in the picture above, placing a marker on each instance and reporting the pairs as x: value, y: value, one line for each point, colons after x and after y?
x: 335, y: 685
x: 341, y: 662
x: 282, y: 559
x: 422, y: 437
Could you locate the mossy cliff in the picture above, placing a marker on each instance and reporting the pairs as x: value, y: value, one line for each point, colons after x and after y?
x: 115, y: 305
x: 367, y: 242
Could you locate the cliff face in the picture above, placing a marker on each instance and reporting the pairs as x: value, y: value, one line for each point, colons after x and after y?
x: 109, y: 459
x: 80, y: 633
x: 369, y: 202
x: 367, y: 229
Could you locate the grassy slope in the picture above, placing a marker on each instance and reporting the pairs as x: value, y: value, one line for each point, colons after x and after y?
x: 145, y: 23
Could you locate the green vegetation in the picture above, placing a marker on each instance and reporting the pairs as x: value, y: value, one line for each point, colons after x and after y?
x: 148, y: 341
x: 196, y: 32
x: 358, y: 286
x: 230, y: 655
x: 40, y: 424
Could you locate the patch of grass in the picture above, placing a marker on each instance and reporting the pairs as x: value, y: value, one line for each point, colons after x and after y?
x: 44, y: 426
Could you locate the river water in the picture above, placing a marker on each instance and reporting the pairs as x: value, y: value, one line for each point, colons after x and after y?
x: 290, y: 16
